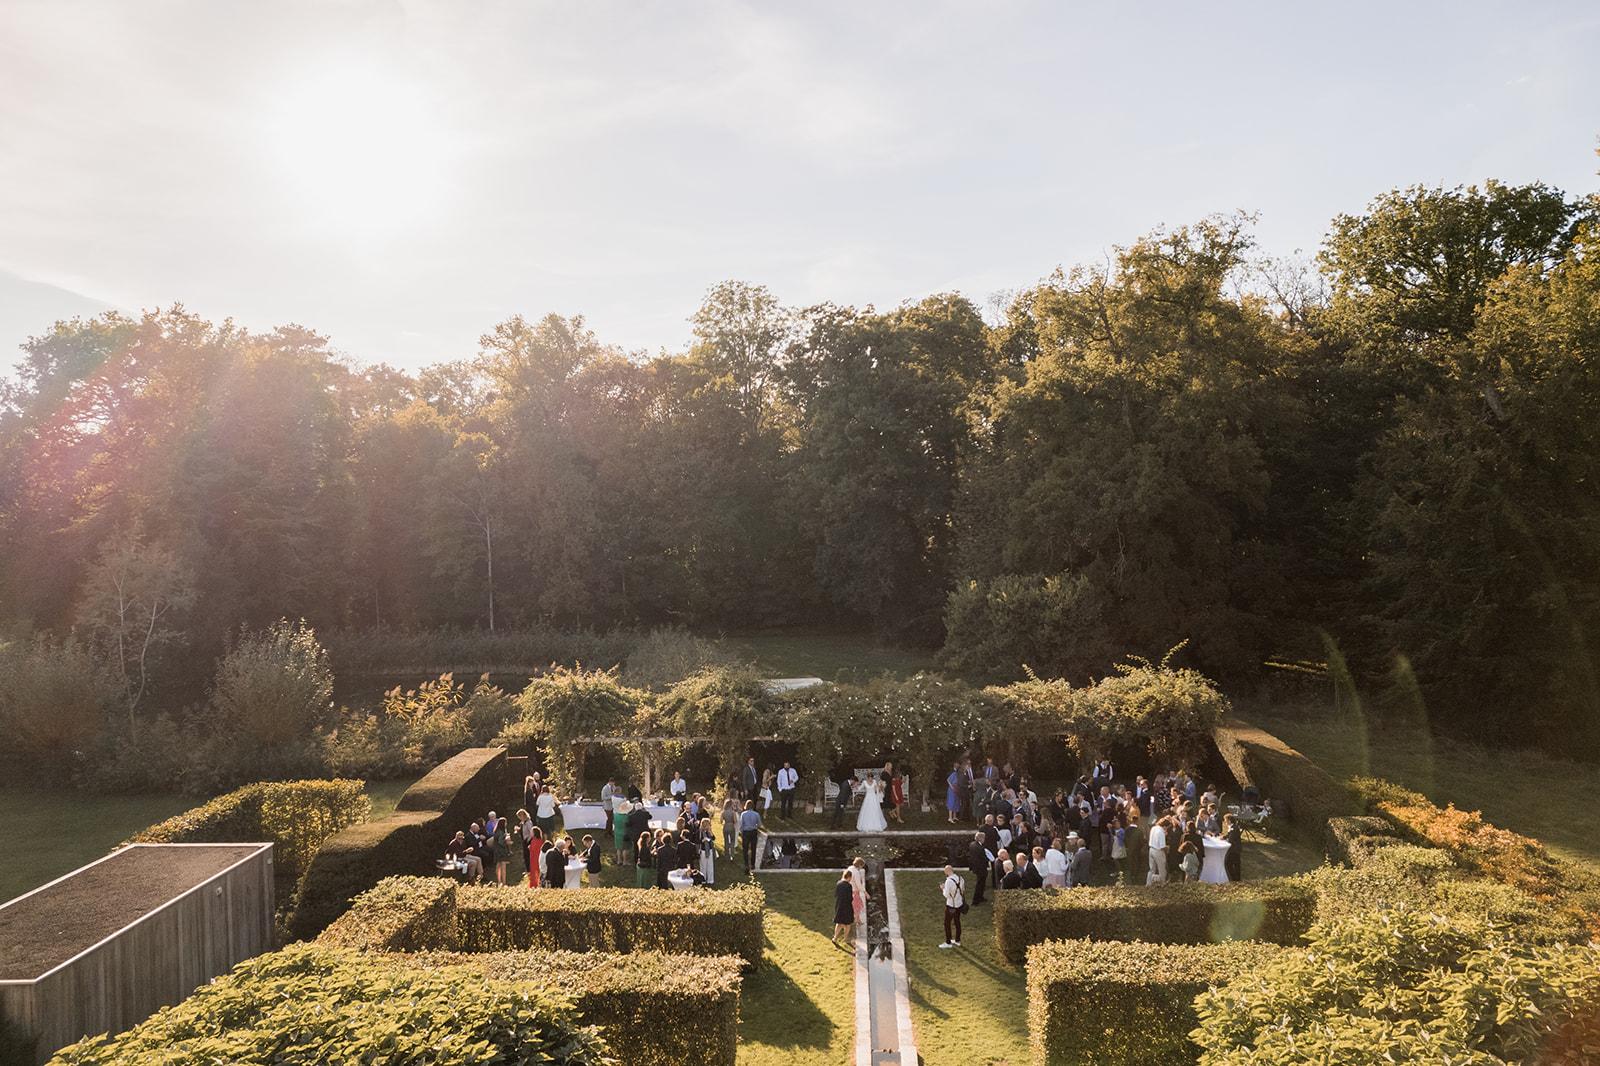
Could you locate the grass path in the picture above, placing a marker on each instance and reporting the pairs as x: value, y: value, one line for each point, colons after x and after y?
x: 968, y: 1007
x: 799, y: 1005
x: 1525, y: 792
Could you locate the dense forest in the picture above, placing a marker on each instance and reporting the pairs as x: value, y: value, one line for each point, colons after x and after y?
x: 1384, y: 460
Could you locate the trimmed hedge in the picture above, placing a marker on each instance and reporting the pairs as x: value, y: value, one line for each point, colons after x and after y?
x: 297, y: 816
x: 1258, y: 758
x: 491, y: 918
x: 653, y: 1009
x: 1277, y: 911
x: 1432, y: 880
x: 1498, y: 854
x: 398, y: 914
x: 1350, y: 841
x: 449, y: 797
x: 313, y: 1006
x: 1125, y: 1004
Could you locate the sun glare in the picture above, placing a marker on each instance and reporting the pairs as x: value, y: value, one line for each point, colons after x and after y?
x: 358, y: 150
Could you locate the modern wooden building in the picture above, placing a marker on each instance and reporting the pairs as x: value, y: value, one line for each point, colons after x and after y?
x: 109, y: 944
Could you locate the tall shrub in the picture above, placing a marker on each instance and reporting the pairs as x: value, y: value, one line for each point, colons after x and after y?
x: 570, y: 705
x: 273, y: 687
x: 56, y: 698
x: 726, y: 704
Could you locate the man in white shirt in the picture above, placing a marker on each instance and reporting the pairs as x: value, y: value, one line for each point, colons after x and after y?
x: 1158, y: 854
x: 788, y: 777
x: 608, y: 794
x: 679, y: 787
x: 954, y: 891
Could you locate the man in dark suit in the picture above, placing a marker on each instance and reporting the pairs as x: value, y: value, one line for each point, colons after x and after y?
x: 555, y: 866
x: 1144, y: 797
x: 991, y: 834
x: 841, y: 801
x: 750, y: 778
x: 978, y: 863
x: 1029, y: 869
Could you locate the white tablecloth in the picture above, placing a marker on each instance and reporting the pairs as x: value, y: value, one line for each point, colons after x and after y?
x: 663, y: 816
x: 1212, y: 871
x: 574, y: 876
x: 584, y: 816
x: 1005, y: 837
x: 680, y: 882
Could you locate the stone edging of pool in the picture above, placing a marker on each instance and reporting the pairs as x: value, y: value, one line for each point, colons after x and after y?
x: 902, y: 984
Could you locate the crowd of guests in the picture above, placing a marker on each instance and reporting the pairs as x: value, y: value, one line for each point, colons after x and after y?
x: 507, y: 850
x: 1147, y: 833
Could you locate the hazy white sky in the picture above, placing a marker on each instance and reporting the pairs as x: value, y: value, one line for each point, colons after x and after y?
x: 400, y: 175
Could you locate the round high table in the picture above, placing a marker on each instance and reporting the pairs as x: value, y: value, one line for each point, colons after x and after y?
x: 680, y: 882
x: 574, y: 879
x: 1212, y: 871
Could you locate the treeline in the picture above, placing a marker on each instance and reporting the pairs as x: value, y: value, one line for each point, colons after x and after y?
x: 1385, y: 460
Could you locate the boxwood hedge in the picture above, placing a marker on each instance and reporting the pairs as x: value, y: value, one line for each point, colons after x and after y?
x: 1277, y: 910
x: 1258, y: 758
x: 653, y: 1009
x: 449, y: 797
x: 297, y: 816
x: 1125, y: 1004
x: 704, y: 922
x: 314, y: 1006
x: 398, y: 914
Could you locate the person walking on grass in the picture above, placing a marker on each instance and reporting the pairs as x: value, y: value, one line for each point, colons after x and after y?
x: 954, y: 892
x: 749, y: 830
x: 844, y: 909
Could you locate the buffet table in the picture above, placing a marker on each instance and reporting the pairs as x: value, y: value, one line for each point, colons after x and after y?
x: 584, y: 816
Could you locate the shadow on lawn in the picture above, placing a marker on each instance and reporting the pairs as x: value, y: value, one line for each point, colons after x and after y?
x: 788, y: 1018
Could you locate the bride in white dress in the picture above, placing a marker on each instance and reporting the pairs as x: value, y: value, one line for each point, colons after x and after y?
x: 871, y: 819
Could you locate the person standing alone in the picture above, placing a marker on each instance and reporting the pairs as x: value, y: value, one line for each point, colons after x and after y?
x: 788, y: 777
x: 844, y: 909
x: 954, y: 892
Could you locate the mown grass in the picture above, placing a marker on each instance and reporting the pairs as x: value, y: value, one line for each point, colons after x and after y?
x: 45, y: 833
x: 798, y: 1006
x: 1523, y: 791
x: 968, y: 1006
x: 831, y: 655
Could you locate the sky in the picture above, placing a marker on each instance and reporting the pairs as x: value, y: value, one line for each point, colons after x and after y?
x: 401, y: 175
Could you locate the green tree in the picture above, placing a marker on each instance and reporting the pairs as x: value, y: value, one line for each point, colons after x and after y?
x: 128, y: 603
x: 1126, y: 464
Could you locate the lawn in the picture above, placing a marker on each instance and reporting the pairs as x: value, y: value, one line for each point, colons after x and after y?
x: 798, y: 1006
x: 1522, y: 791
x: 968, y: 1007
x: 49, y: 832
x: 830, y: 655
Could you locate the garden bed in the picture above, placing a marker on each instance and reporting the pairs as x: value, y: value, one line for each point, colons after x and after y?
x: 45, y: 928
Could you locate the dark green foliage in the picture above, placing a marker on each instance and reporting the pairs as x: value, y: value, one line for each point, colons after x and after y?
x: 652, y: 1009
x: 1275, y: 911
x: 1406, y: 986
x: 613, y: 919
x: 450, y: 797
x: 1125, y: 1004
x: 319, y: 1007
x: 1283, y: 775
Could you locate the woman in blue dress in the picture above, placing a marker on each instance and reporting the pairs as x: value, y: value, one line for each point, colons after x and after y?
x: 952, y: 792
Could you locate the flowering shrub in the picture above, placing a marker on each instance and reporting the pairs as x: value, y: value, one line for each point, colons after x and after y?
x: 567, y: 705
